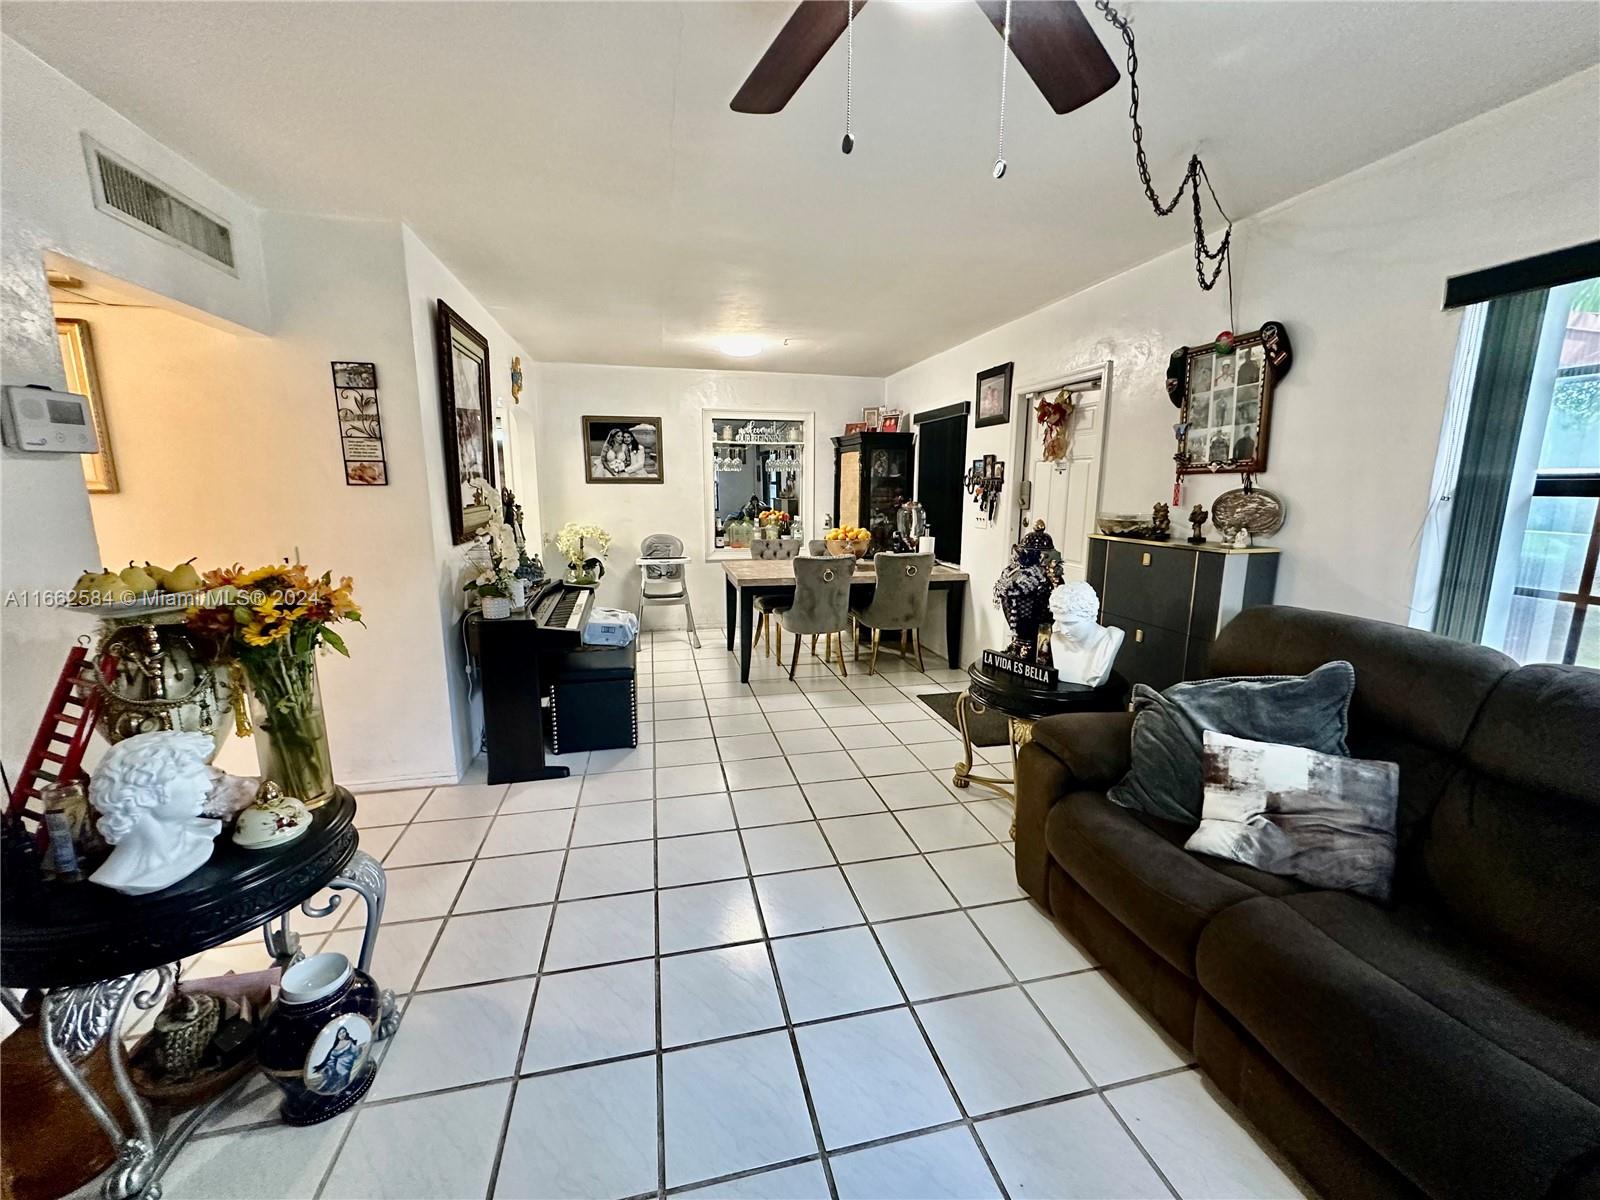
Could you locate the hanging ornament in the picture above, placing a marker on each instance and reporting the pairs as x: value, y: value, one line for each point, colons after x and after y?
x: 1056, y: 417
x: 1005, y: 64
x: 1225, y: 342
x: 849, y: 142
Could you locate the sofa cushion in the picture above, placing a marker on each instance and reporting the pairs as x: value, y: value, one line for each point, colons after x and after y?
x: 1392, y: 718
x: 1136, y: 868
x: 1471, y: 1077
x: 1513, y: 848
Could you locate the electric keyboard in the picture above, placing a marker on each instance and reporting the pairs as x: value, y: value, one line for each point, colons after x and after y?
x: 513, y: 654
x: 562, y: 606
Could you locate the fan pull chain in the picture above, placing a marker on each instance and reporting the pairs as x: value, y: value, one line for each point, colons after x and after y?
x: 849, y: 142
x: 1005, y: 65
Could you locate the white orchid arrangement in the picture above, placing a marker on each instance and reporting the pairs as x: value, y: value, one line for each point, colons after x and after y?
x: 577, y: 542
x: 500, y: 541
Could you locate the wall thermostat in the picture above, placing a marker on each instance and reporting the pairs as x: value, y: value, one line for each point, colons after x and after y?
x: 40, y: 420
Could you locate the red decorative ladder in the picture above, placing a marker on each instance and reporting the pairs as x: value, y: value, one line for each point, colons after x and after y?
x: 63, y: 736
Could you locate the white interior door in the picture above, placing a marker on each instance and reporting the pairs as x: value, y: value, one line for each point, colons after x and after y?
x: 1065, y: 495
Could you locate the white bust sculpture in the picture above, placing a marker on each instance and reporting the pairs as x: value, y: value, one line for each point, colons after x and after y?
x: 153, y: 791
x: 1082, y: 649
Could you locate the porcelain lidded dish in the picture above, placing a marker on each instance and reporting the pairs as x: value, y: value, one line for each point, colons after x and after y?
x: 272, y: 820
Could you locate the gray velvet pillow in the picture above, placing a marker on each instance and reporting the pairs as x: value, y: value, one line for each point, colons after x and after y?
x: 1321, y: 818
x: 1294, y: 710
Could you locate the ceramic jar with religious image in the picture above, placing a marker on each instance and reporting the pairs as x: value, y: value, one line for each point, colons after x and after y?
x: 318, y: 1041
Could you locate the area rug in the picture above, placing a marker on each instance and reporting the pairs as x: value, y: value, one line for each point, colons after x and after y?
x: 987, y: 728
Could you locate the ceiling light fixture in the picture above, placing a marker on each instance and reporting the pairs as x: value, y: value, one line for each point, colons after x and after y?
x: 739, y: 345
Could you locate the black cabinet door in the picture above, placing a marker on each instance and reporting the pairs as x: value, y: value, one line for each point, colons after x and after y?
x: 1150, y: 654
x: 1152, y: 584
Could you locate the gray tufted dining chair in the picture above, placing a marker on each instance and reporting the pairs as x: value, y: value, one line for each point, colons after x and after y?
x: 821, y: 605
x: 899, y: 601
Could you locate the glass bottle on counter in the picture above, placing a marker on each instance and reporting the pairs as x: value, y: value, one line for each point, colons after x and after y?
x: 65, y: 806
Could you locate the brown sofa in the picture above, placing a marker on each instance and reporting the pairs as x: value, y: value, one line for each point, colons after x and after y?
x: 1448, y: 1045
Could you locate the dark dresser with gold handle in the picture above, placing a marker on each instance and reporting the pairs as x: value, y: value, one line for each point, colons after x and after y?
x: 1172, y: 598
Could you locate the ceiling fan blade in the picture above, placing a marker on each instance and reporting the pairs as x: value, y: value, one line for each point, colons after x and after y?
x: 806, y: 36
x: 1057, y: 47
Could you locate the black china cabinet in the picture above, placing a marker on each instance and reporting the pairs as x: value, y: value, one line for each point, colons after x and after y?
x: 872, y: 477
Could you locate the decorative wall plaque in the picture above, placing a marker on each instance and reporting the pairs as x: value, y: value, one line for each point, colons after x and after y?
x: 355, y: 395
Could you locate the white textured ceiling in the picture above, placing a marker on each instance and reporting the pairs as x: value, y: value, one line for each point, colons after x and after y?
x: 578, y: 166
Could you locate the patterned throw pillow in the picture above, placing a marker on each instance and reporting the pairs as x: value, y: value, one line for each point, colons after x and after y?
x: 1321, y: 818
x: 1164, y: 781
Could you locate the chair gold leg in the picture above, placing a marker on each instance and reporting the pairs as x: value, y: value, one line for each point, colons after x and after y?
x: 905, y: 645
x: 778, y: 633
x: 855, y: 637
x: 844, y: 671
x: 761, y: 628
x: 872, y: 663
x: 814, y: 646
x: 917, y: 637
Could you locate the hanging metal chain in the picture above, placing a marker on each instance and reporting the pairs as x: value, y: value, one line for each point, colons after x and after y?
x: 1193, y: 177
x: 849, y: 142
x: 1005, y: 65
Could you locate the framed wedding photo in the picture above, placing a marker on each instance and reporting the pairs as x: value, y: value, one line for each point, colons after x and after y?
x: 622, y: 450
x: 994, y: 396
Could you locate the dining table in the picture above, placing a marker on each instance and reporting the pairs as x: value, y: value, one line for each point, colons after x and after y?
x: 747, y: 578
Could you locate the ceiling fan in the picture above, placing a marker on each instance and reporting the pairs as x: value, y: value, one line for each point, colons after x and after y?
x: 1052, y: 40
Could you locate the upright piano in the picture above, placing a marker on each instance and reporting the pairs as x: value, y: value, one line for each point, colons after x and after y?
x: 525, y: 661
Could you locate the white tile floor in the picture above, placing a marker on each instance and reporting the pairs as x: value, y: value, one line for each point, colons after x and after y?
x: 769, y: 953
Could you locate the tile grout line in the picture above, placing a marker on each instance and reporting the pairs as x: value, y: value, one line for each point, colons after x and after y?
x: 933, y: 1052
x: 1094, y: 1085
x: 659, y: 1052
x: 789, y: 1029
x: 533, y: 1000
x: 355, y: 1115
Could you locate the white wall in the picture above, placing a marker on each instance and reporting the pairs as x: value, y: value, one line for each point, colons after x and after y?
x: 46, y: 205
x: 227, y: 448
x: 1356, y: 271
x: 427, y: 281
x: 567, y: 392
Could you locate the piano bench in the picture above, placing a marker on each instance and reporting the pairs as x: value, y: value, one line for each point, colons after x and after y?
x: 593, y: 699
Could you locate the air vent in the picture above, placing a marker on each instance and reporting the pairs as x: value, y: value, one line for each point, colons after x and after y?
x: 122, y: 191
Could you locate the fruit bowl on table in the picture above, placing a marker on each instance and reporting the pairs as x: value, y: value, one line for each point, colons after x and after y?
x: 843, y: 547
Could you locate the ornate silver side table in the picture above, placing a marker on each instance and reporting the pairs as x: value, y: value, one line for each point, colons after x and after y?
x: 98, y: 956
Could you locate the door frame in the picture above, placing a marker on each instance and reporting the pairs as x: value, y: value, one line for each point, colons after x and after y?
x: 1103, y: 374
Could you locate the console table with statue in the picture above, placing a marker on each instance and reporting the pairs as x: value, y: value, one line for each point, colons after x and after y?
x: 92, y: 957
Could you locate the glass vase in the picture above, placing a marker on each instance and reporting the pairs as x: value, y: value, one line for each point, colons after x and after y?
x: 290, y: 732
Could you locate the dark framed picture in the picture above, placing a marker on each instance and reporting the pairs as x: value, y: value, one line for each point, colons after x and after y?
x: 468, y: 420
x: 1227, y: 408
x: 622, y: 449
x: 891, y: 423
x: 994, y: 396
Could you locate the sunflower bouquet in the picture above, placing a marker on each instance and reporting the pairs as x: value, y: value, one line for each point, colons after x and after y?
x: 268, y: 625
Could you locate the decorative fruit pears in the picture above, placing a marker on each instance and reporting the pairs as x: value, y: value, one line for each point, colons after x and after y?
x: 96, y: 586
x: 183, y: 578
x: 132, y: 582
x: 138, y: 579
